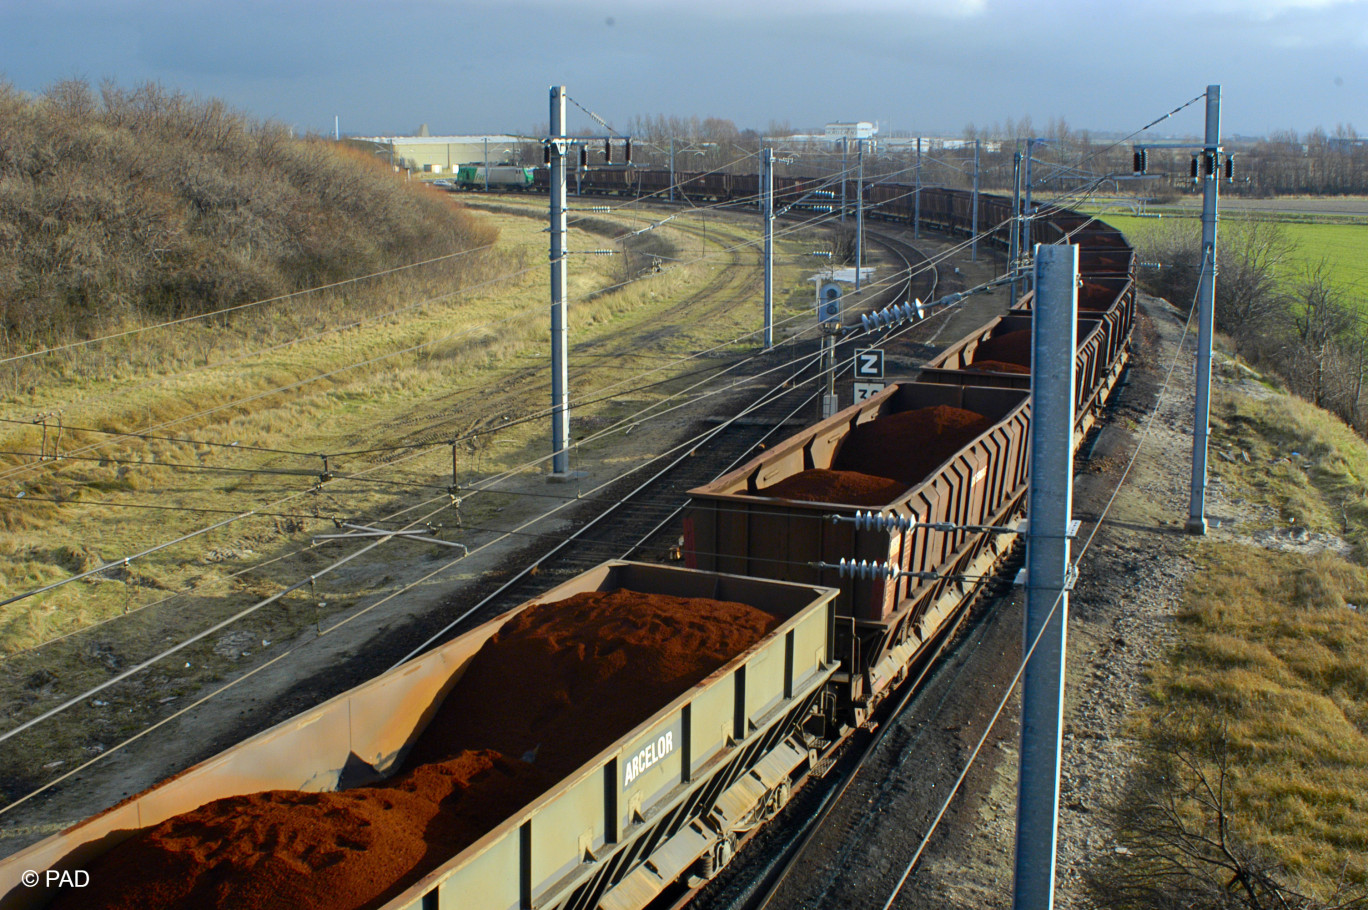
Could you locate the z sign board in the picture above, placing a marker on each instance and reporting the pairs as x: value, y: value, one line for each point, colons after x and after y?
x: 869, y: 363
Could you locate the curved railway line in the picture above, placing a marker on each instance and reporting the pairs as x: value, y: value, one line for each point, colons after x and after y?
x: 771, y: 397
x: 886, y: 634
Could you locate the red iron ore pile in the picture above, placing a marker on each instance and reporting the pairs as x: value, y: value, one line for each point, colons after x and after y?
x: 997, y: 366
x: 909, y: 445
x: 555, y: 686
x: 1009, y: 347
x: 849, y: 487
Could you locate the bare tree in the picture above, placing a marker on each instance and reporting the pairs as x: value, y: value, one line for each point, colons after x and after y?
x: 1320, y: 320
x: 1184, y: 847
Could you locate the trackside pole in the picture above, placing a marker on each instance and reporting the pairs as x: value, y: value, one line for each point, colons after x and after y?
x: 1014, y: 246
x: 859, y: 214
x: 973, y: 231
x: 560, y: 382
x: 916, y: 196
x: 1210, y: 172
x: 767, y: 197
x: 1053, y: 340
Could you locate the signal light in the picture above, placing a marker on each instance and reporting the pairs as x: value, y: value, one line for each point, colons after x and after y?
x: 607, y: 151
x: 627, y: 151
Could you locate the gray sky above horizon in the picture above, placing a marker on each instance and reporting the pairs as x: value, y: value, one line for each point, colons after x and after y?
x: 925, y: 66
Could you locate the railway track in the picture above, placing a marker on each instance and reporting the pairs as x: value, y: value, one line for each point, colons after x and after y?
x: 637, y: 520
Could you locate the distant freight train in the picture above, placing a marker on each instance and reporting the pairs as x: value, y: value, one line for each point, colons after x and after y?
x: 500, y: 177
x: 663, y: 802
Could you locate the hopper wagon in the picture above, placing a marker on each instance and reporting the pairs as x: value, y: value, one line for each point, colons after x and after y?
x: 669, y: 798
x: 733, y: 525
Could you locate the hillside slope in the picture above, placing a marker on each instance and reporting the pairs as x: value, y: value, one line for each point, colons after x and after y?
x: 146, y: 203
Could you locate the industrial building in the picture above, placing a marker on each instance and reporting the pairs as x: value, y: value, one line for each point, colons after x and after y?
x: 443, y: 154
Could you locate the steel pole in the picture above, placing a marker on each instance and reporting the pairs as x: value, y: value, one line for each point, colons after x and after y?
x: 1027, y: 219
x: 1206, y: 312
x: 973, y: 237
x: 829, y: 368
x: 859, y: 214
x: 560, y: 382
x: 767, y: 190
x: 1053, y: 337
x: 844, y: 145
x: 916, y: 196
x: 1014, y: 244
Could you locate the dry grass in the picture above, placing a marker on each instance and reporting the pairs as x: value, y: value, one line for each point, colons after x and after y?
x: 1304, y: 463
x: 1271, y: 670
x: 1274, y: 650
x: 455, y: 349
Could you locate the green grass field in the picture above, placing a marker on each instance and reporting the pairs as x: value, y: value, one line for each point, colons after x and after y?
x: 1344, y: 247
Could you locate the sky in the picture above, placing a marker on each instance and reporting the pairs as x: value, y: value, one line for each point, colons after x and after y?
x: 927, y: 67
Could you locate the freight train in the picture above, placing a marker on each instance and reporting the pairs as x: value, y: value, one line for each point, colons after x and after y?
x: 861, y: 538
x: 500, y: 178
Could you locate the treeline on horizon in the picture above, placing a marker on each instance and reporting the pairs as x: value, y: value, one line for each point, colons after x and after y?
x: 1319, y: 162
x: 123, y: 205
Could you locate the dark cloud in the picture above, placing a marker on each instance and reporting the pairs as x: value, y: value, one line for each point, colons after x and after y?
x: 926, y: 66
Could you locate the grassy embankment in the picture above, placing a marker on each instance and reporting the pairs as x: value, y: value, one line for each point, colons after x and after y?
x: 1270, y: 674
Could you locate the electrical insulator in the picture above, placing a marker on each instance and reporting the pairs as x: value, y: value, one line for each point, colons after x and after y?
x: 1209, y: 164
x: 584, y: 156
x: 1137, y: 162
x: 1144, y: 161
x: 607, y: 151
x: 1194, y: 169
x: 1230, y: 169
x: 627, y: 151
x: 546, y: 153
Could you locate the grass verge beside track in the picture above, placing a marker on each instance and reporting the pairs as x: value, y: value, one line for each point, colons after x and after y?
x: 1257, y: 729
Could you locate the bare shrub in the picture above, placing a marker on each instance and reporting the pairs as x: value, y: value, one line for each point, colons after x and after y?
x: 1183, y: 841
x: 148, y: 204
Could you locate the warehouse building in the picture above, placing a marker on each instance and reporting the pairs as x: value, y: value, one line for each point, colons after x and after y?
x: 443, y: 154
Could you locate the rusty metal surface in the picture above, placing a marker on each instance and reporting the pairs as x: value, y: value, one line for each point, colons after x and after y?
x: 730, y: 529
